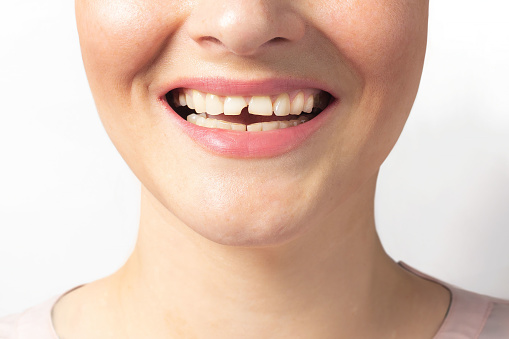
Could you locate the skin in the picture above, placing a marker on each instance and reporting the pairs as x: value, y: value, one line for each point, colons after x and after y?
x: 215, y: 258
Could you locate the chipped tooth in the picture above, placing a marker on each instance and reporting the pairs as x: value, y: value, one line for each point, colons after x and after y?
x: 223, y: 124
x: 200, y: 121
x: 281, y: 106
x: 260, y: 105
x: 293, y: 122
x: 182, y: 99
x: 189, y: 99
x: 256, y: 127
x: 238, y: 127
x: 192, y: 118
x: 199, y: 101
x: 297, y: 104
x: 270, y: 125
x: 211, y: 123
x: 234, y: 105
x: 308, y: 105
x: 213, y: 104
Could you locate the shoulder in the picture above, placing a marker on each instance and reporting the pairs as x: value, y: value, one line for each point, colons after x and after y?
x: 473, y: 315
x: 470, y: 315
x: 31, y: 324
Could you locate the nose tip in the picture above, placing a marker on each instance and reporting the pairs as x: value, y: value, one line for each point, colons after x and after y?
x: 244, y: 27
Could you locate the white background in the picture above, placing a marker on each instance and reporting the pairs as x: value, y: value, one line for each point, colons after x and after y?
x: 69, y: 205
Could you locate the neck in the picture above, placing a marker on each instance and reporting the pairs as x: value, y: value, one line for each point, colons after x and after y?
x: 330, y: 282
x: 328, y: 271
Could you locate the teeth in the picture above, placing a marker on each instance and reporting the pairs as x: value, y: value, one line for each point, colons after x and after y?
x: 234, y: 105
x: 297, y: 104
x: 257, y: 127
x: 303, y: 101
x: 308, y: 105
x: 282, y: 105
x: 284, y: 124
x: 270, y: 125
x: 199, y: 102
x: 182, y: 99
x: 210, y: 123
x: 213, y: 104
x: 189, y: 100
x: 208, y: 104
x: 192, y: 118
x: 223, y: 124
x: 238, y: 127
x: 260, y: 105
x: 202, y: 121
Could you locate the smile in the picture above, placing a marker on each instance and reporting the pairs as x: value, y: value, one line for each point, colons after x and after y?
x: 253, y: 119
x: 248, y: 113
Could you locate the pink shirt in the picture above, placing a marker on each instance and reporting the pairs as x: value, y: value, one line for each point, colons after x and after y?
x: 470, y: 316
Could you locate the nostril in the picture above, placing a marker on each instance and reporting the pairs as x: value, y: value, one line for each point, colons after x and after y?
x: 279, y: 39
x: 276, y: 41
x: 242, y: 27
x: 211, y: 39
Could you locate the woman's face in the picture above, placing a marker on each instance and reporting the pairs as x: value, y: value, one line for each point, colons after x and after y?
x: 358, y: 60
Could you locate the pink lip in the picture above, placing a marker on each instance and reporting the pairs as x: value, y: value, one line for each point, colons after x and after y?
x: 248, y: 144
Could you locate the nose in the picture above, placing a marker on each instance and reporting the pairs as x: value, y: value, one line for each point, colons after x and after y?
x: 244, y: 27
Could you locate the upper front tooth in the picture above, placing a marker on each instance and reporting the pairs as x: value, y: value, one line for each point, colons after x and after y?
x: 213, y: 104
x: 234, y: 105
x: 199, y: 102
x: 297, y: 104
x: 282, y: 105
x: 260, y: 105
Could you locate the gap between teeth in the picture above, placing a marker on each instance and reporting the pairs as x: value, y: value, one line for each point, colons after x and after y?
x: 202, y: 120
x: 280, y: 105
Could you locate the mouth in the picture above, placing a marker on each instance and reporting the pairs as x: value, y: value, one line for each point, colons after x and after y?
x: 248, y: 113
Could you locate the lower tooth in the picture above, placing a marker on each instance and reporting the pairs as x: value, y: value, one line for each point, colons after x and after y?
x: 238, y: 127
x: 257, y: 127
x: 284, y: 124
x: 201, y: 120
x: 192, y: 118
x: 211, y: 123
x: 223, y: 124
x: 269, y: 126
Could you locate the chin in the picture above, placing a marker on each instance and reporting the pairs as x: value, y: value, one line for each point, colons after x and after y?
x: 249, y: 233
x: 240, y: 227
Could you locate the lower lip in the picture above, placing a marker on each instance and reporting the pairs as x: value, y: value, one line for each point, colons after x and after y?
x: 237, y: 144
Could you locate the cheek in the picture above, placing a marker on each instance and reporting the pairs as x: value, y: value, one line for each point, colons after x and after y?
x: 120, y: 37
x: 378, y: 38
x: 383, y: 42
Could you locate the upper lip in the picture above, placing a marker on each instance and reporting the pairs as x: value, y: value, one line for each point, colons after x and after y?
x: 225, y: 86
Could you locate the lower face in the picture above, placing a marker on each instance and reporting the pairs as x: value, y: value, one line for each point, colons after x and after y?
x: 252, y: 136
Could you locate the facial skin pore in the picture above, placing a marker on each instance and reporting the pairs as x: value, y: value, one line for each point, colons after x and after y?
x: 256, y: 247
